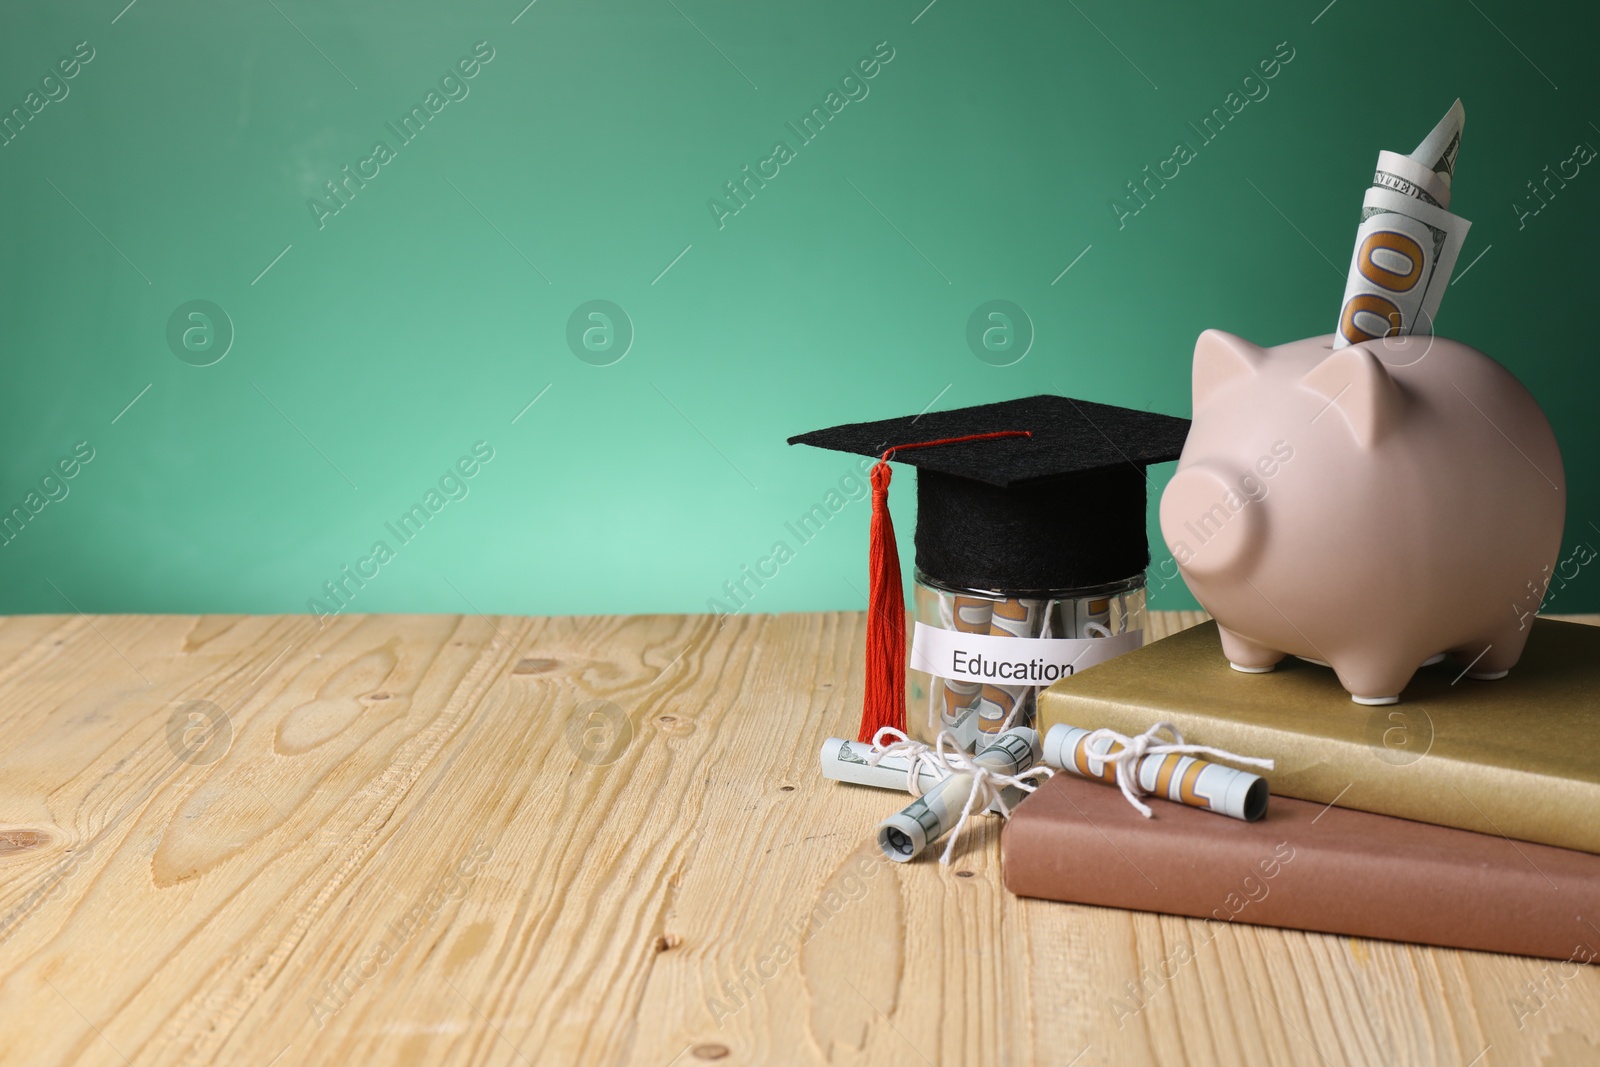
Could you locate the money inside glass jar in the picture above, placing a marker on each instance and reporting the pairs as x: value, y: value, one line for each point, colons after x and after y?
x: 975, y: 706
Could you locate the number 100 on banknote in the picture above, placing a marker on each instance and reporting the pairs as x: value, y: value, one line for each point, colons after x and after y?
x: 1405, y: 252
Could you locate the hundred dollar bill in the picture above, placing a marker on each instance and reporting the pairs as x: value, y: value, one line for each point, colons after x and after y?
x: 1408, y: 241
x: 903, y: 835
x: 851, y: 761
x: 1406, y: 250
x: 1172, y: 776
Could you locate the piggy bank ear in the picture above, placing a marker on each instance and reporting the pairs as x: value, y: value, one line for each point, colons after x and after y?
x: 1219, y: 358
x: 1357, y: 383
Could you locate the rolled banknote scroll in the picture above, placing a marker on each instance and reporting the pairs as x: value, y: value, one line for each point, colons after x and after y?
x: 905, y: 834
x: 1407, y: 242
x: 1179, y: 776
x: 851, y: 761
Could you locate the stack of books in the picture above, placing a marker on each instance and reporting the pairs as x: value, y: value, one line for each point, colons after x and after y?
x: 1464, y: 816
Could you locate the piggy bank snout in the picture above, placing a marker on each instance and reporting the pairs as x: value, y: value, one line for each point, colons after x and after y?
x: 1210, y: 521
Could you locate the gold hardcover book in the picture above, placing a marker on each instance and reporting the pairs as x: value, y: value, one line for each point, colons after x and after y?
x: 1517, y: 756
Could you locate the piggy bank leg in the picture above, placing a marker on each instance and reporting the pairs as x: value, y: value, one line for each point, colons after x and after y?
x: 1245, y: 655
x: 1376, y: 681
x: 1495, y: 655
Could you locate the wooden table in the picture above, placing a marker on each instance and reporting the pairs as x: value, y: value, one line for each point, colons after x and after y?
x: 462, y: 840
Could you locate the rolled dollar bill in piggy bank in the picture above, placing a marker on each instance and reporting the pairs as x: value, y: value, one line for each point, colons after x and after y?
x: 1367, y: 508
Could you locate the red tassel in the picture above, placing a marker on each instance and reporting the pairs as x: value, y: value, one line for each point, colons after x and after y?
x: 885, y: 702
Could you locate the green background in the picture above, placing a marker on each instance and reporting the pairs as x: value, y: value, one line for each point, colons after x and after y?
x: 427, y: 313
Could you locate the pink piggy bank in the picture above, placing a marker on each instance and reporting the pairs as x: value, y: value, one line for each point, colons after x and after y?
x: 1368, y: 509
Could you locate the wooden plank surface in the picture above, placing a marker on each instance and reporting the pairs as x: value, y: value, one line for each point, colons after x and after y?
x: 420, y: 840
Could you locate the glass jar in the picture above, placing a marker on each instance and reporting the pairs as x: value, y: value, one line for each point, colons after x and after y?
x: 967, y: 682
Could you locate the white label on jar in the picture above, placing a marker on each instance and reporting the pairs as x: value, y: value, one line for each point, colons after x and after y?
x: 1011, y: 660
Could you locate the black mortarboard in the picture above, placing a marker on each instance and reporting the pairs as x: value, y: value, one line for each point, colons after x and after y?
x: 1029, y: 495
x: 1063, y: 508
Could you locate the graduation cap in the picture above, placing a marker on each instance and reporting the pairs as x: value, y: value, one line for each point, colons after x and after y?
x: 1024, y: 496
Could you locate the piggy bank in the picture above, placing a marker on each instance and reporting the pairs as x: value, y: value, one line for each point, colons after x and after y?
x: 1370, y: 509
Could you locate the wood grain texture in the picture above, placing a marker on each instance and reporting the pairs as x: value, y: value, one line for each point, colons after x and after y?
x: 421, y: 840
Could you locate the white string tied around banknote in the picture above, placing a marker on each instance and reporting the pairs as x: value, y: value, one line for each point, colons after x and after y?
x: 1133, y: 750
x: 917, y: 755
x: 987, y: 783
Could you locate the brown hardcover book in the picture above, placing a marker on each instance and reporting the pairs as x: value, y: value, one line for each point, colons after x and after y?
x: 1517, y: 756
x: 1305, y: 866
